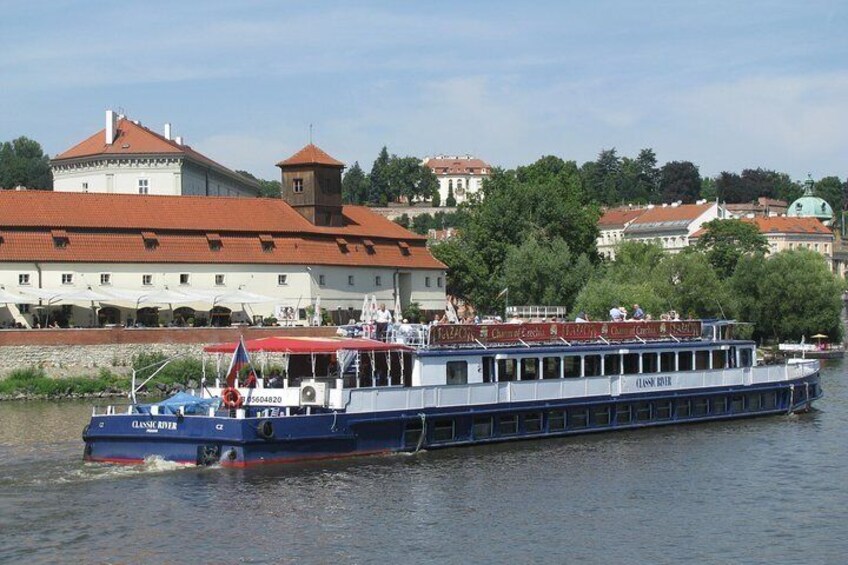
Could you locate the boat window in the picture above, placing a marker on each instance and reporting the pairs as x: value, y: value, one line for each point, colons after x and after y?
x: 631, y: 363
x: 612, y: 364
x: 572, y: 366
x: 443, y: 430
x: 457, y: 372
x: 719, y: 405
x: 506, y: 369
x: 649, y: 363
x: 769, y: 401
x: 556, y: 421
x: 702, y: 360
x: 532, y: 423
x: 662, y: 410
x: 508, y: 425
x: 529, y: 369
x: 684, y: 361
x: 550, y: 367
x: 737, y: 403
x: 700, y: 407
x: 683, y: 407
x: 591, y: 365
x: 600, y: 416
x: 643, y: 411
x: 719, y: 359
x: 667, y: 361
x: 576, y: 418
x: 488, y: 369
x: 755, y: 402
x: 412, y: 433
x: 745, y: 357
x: 482, y: 427
x: 622, y: 414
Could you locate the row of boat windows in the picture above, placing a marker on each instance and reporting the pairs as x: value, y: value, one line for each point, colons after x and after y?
x: 575, y: 366
x: 580, y: 417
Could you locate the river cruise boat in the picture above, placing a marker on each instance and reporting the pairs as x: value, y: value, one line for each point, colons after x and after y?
x: 453, y: 385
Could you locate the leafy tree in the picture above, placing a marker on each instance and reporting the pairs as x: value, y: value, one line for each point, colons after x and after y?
x: 725, y: 241
x: 355, y: 185
x: 23, y: 163
x: 267, y: 188
x: 690, y: 286
x: 640, y: 178
x: 754, y: 183
x: 601, y: 293
x: 450, y: 201
x: 545, y: 272
x: 436, y: 198
x: 379, y: 182
x: 680, y: 180
x: 709, y: 191
x: 603, y: 177
x: 831, y: 189
x: 789, y: 295
x: 468, y: 274
x: 428, y: 185
x: 403, y: 220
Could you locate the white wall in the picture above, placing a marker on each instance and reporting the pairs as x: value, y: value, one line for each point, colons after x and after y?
x: 120, y: 177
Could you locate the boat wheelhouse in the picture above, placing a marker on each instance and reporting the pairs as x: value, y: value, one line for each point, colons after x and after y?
x: 459, y: 385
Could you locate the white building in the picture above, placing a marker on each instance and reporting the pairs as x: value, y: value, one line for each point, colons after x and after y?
x: 671, y: 225
x: 127, y: 158
x: 461, y: 174
x: 210, y: 248
x: 611, y: 229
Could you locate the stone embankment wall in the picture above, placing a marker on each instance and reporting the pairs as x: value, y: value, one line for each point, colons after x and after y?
x: 79, y: 352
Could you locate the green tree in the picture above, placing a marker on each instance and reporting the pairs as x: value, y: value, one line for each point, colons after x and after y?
x: 450, y: 201
x: 545, y: 272
x: 689, y: 285
x: 378, y: 185
x: 355, y: 186
x: 267, y: 188
x: 725, y: 241
x: 830, y: 189
x: 436, y: 198
x: 428, y: 185
x: 403, y: 220
x: 789, y: 295
x: 680, y: 180
x: 603, y: 177
x: 23, y: 163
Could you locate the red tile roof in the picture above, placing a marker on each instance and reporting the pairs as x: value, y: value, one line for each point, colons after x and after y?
x: 310, y: 155
x: 451, y: 165
x: 109, y: 227
x: 619, y: 216
x: 135, y: 139
x: 790, y: 225
x: 661, y: 214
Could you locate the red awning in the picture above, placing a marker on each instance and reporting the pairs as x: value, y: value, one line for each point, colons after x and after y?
x: 307, y: 345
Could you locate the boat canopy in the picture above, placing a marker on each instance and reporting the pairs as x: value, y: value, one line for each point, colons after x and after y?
x: 307, y: 345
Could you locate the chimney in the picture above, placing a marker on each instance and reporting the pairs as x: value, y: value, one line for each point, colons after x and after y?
x: 111, y: 126
x: 168, y: 131
x: 179, y: 140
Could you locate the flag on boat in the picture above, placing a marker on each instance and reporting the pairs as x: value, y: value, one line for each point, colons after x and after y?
x: 240, y: 359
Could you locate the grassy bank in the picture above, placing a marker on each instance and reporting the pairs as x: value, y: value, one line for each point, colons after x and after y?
x: 33, y: 382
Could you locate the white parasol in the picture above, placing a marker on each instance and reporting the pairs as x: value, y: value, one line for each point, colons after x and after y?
x: 398, y: 314
x: 316, y: 316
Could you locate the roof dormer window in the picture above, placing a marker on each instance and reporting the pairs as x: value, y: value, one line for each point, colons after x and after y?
x: 215, y: 243
x: 267, y: 242
x: 342, y: 243
x: 60, y: 238
x: 369, y: 246
x: 404, y: 247
x: 151, y: 242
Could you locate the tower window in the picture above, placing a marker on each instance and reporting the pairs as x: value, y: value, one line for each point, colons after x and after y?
x: 105, y: 279
x: 143, y: 186
x: 297, y: 185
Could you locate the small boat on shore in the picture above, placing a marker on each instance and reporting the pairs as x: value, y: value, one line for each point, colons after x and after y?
x: 454, y: 385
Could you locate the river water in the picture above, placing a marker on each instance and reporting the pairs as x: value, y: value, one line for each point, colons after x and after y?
x: 765, y: 490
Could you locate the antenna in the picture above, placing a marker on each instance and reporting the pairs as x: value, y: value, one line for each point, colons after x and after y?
x: 310, y: 134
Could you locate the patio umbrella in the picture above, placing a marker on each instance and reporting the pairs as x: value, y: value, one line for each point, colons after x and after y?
x: 398, y: 315
x: 820, y: 336
x: 7, y: 297
x: 364, y: 316
x: 85, y: 295
x: 316, y: 316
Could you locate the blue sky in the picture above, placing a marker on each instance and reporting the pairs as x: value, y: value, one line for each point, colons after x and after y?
x: 727, y: 85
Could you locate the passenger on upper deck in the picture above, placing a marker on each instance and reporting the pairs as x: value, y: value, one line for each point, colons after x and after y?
x: 615, y: 314
x: 638, y: 313
x: 581, y: 317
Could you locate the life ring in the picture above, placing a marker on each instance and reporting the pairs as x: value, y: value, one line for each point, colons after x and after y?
x: 231, y: 398
x: 265, y: 429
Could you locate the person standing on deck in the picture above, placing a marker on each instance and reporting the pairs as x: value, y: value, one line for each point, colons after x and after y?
x: 382, y: 319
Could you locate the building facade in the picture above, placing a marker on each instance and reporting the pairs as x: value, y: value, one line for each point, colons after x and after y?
x: 209, y: 248
x: 128, y: 158
x: 462, y: 175
x: 671, y: 225
x: 611, y: 228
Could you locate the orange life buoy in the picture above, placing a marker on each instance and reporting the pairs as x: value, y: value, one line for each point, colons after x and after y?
x: 231, y: 398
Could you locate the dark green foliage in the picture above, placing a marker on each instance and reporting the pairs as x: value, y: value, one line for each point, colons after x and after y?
x: 831, y: 189
x: 423, y: 223
x: 789, y: 295
x: 23, y: 163
x: 545, y: 272
x: 412, y: 313
x: 355, y: 185
x: 450, y: 201
x: 378, y: 180
x: 680, y: 180
x: 436, y: 198
x: 267, y: 188
x: 725, y: 241
x: 403, y: 220
x: 752, y: 184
